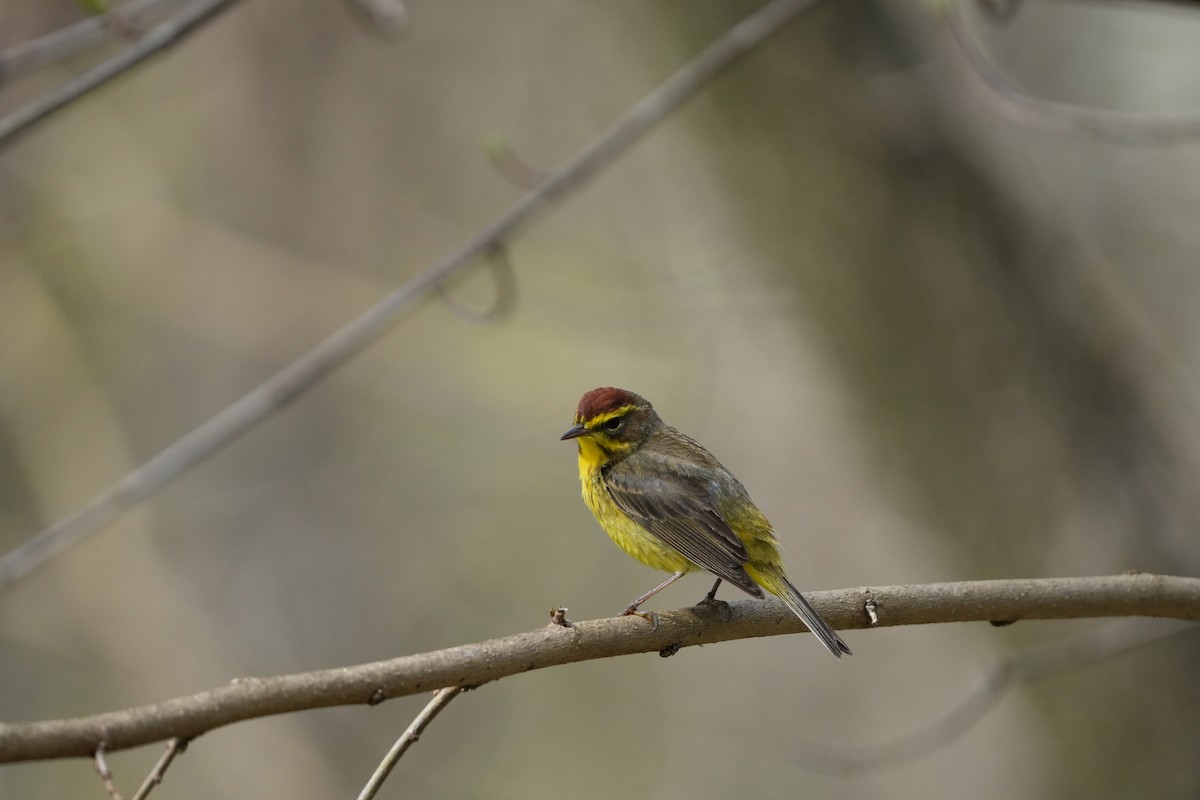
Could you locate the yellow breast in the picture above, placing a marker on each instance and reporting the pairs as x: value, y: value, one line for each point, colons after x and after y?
x: 628, y: 534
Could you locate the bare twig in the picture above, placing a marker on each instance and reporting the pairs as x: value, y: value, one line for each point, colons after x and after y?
x: 105, y: 773
x: 992, y: 685
x: 548, y: 646
x: 73, y: 39
x: 174, y: 748
x: 505, y: 284
x: 441, y: 699
x: 1065, y: 118
x: 154, y: 41
x: 287, y: 384
x: 515, y: 169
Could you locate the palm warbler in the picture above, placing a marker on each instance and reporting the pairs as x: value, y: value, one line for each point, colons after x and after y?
x: 669, y: 503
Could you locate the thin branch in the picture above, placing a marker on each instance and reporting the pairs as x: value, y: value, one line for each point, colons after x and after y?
x: 441, y: 699
x: 154, y: 41
x: 1063, y: 118
x: 505, y: 160
x: 1038, y: 662
x: 290, y: 382
x: 505, y: 286
x: 73, y: 39
x: 174, y: 748
x: 105, y: 773
x: 551, y: 645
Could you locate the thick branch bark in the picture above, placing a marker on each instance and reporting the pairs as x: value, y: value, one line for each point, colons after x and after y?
x: 475, y: 664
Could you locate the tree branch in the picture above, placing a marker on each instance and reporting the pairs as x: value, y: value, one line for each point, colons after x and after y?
x: 154, y: 41
x: 475, y: 664
x: 174, y: 748
x: 1059, y: 117
x: 441, y: 699
x: 1049, y: 658
x: 70, y: 41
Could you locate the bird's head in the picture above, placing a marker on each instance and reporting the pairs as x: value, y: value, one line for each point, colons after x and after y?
x: 612, y: 421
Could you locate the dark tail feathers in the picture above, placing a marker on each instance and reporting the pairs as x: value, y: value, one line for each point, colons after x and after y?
x: 809, y: 616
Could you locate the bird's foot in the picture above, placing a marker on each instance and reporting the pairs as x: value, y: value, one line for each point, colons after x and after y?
x: 712, y: 602
x: 721, y: 606
x: 649, y: 616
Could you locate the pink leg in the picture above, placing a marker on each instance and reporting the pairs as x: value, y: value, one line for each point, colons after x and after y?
x: 651, y: 616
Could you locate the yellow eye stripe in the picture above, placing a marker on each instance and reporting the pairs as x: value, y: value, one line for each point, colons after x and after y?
x: 600, y: 419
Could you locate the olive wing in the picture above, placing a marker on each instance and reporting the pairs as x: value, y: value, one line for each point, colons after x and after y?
x: 679, y: 511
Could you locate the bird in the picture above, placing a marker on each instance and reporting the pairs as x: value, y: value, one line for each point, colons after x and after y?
x: 669, y: 503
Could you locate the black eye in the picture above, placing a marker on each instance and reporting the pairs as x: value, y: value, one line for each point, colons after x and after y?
x: 613, y: 424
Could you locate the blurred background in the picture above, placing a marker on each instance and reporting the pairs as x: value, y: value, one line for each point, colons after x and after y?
x: 935, y: 341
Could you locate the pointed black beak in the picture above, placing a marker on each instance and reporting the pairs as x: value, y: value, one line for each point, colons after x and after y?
x: 575, y: 433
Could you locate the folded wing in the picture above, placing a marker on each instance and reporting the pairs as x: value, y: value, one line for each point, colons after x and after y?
x: 679, y: 511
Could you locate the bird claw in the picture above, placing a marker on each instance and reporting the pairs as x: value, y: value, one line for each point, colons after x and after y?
x: 717, y: 605
x: 649, y: 616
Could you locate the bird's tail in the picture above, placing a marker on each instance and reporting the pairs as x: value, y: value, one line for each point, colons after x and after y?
x: 777, y: 584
